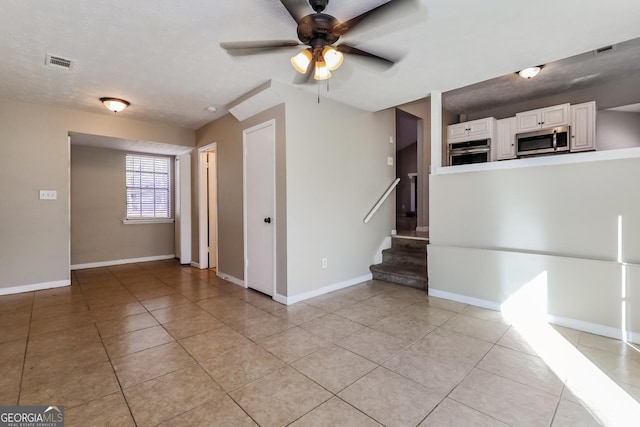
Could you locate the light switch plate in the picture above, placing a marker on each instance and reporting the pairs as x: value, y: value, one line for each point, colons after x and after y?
x: 48, y: 195
x: 390, y: 161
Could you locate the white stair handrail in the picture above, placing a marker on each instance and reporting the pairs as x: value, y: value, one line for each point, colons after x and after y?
x: 374, y: 209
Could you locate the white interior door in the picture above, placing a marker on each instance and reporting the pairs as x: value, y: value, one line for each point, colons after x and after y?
x: 259, y: 200
x: 212, y: 197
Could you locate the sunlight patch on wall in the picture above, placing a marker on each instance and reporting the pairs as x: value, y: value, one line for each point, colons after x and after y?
x: 599, y: 394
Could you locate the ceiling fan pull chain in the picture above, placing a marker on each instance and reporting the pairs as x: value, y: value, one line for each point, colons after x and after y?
x: 318, y: 86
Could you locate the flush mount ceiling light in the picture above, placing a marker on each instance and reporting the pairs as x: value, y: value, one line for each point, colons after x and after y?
x: 115, y: 104
x: 530, y: 72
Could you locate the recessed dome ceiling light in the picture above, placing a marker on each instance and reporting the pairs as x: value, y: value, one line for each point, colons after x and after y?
x: 115, y: 104
x: 530, y: 72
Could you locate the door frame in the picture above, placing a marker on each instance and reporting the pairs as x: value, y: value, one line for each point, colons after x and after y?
x: 203, y: 215
x: 270, y: 123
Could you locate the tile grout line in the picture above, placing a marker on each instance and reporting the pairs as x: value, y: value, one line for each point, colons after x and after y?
x: 113, y: 369
x: 26, y: 348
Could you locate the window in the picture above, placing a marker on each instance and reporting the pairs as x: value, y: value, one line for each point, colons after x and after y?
x: 148, y: 187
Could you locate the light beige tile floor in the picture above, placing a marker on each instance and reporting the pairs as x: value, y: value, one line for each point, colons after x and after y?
x: 162, y: 344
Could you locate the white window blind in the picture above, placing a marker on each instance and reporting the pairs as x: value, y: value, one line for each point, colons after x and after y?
x: 148, y: 187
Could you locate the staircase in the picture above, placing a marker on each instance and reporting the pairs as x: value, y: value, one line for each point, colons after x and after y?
x: 405, y: 263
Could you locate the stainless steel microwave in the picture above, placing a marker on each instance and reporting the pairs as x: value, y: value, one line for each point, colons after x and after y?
x: 545, y: 141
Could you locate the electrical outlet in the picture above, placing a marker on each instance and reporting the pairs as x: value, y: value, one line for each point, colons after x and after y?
x: 48, y: 194
x: 390, y: 161
x: 324, y: 263
x: 390, y: 139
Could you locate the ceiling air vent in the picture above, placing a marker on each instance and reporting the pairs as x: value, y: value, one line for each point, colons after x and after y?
x: 58, y: 61
x: 604, y: 49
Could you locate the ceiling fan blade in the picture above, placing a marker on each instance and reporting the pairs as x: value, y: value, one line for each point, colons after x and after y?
x: 392, y: 7
x: 258, y: 46
x: 296, y: 8
x: 350, y: 50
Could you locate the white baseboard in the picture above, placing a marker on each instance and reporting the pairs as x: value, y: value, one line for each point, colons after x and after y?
x: 280, y: 298
x: 422, y: 229
x: 121, y: 261
x: 580, y: 325
x: 34, y: 287
x: 195, y: 264
x: 593, y: 328
x: 464, y: 299
x: 230, y: 278
x: 321, y: 291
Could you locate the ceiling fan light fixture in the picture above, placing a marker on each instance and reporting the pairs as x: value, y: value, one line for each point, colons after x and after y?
x: 530, y: 72
x: 115, y: 104
x: 332, y: 58
x: 322, y: 71
x: 301, y: 61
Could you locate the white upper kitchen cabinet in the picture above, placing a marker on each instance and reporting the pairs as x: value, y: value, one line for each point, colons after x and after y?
x: 470, y: 131
x: 504, y: 145
x: 542, y: 118
x: 583, y: 127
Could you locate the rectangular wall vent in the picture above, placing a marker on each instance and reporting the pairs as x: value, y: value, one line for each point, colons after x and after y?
x: 58, y: 61
x: 605, y: 49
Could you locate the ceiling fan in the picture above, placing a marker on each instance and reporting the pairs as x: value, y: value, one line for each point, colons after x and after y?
x: 318, y: 31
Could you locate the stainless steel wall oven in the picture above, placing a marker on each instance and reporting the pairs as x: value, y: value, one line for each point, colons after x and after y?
x: 464, y: 153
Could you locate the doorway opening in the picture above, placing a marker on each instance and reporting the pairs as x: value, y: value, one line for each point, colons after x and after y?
x: 407, y: 191
x: 208, y: 202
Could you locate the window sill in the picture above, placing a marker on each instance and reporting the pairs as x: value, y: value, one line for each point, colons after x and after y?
x: 148, y: 221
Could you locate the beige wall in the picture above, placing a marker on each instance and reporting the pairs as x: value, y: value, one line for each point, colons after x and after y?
x: 35, y: 234
x: 98, y: 206
x: 226, y: 132
x: 617, y: 129
x: 336, y: 171
x: 494, y: 231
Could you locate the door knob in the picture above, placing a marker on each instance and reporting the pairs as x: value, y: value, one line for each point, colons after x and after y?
x: 267, y: 220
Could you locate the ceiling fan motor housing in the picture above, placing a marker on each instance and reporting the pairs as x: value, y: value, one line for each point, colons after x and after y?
x: 317, y: 29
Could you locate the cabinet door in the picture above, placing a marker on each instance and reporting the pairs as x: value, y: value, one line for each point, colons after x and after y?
x: 505, y: 142
x: 456, y: 131
x: 528, y: 121
x: 583, y: 127
x: 557, y: 115
x: 480, y: 128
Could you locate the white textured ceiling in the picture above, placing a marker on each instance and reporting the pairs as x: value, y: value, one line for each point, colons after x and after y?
x: 164, y: 55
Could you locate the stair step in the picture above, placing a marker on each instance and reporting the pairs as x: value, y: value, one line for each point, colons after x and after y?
x: 412, y: 276
x: 409, y: 242
x: 405, y: 256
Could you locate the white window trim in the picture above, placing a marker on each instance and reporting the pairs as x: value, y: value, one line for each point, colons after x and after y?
x: 148, y: 221
x: 171, y: 219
